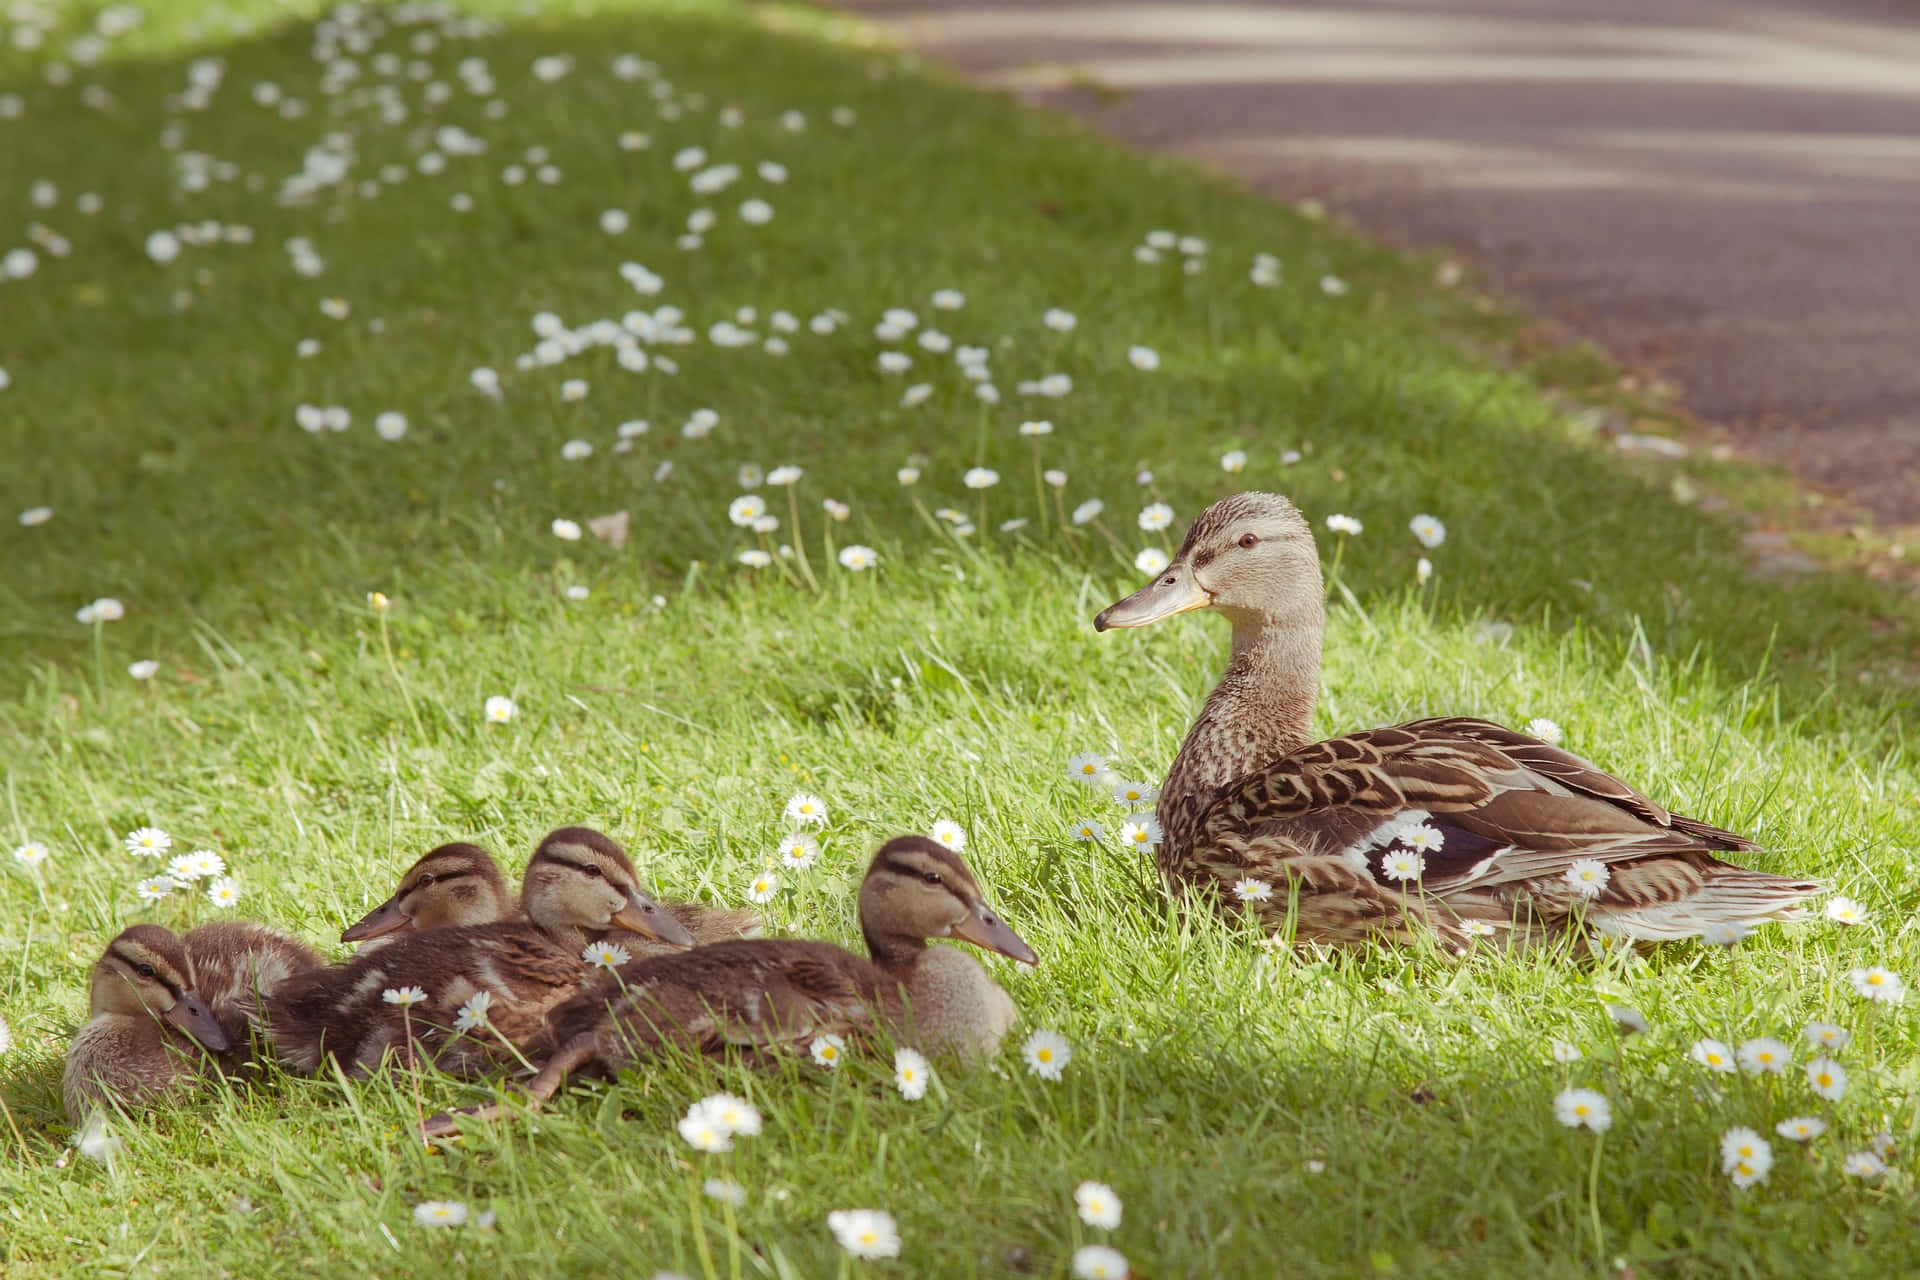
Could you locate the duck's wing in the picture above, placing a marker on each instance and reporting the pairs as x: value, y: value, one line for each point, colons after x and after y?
x: 1498, y: 807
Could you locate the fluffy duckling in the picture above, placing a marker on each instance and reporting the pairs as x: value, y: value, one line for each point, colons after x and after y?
x: 236, y: 965
x: 147, y: 1032
x: 484, y: 987
x: 459, y: 884
x: 776, y: 995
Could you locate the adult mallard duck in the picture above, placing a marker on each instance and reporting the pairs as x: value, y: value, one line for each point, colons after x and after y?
x: 774, y: 996
x: 1454, y: 826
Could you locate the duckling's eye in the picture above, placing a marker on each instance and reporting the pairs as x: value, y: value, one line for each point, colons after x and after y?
x: 146, y: 971
x: 1249, y: 539
x: 426, y: 878
x: 931, y: 877
x: 592, y: 871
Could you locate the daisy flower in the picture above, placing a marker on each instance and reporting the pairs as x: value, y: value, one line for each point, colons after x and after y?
x: 1088, y: 511
x: 145, y: 669
x: 198, y: 865
x: 733, y: 1113
x: 1576, y: 1107
x: 799, y: 851
x: 31, y: 854
x: 1343, y: 524
x: 148, y: 842
x: 865, y: 1233
x: 1827, y: 1078
x: 1146, y: 359
x: 566, y: 530
x: 1544, y: 729
x: 1863, y: 1164
x: 907, y: 476
x: 1713, y: 1055
x: 806, y: 809
x: 1726, y: 933
x: 1428, y: 530
x: 1741, y: 1145
x: 911, y: 1074
x: 1846, y: 911
x: 1047, y: 1054
x: 703, y: 1130
x: 948, y: 300
x: 1477, y: 928
x: 1421, y: 837
x: 980, y: 478
x: 857, y: 557
x: 1098, y: 1205
x: 500, y: 709
x: 1628, y: 1019
x: 1087, y: 767
x: 1248, y: 889
x: 154, y: 888
x: 1234, y: 461
x: 1587, y: 877
x: 1877, y: 983
x: 826, y: 1051
x: 1564, y: 1053
x: 1422, y: 571
x: 1745, y: 1173
x: 605, y: 955
x: 1763, y: 1056
x: 1825, y: 1035
x: 1088, y: 831
x: 224, y: 892
x: 473, y: 1013
x: 1151, y: 560
x: 949, y: 833
x: 1098, y: 1262
x: 1801, y: 1128
x: 1135, y: 794
x: 1402, y: 864
x: 1142, y: 831
x: 726, y: 1192
x: 755, y: 558
x: 1155, y: 517
x: 6, y: 1038
x: 1059, y: 321
x: 440, y: 1213
x: 405, y: 997
x: 764, y: 886
x: 747, y: 508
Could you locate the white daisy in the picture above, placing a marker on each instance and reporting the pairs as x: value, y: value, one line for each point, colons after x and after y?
x: 405, y: 997
x: 577, y: 592
x: 980, y: 478
x: 148, y: 842
x: 1059, y: 321
x: 1421, y: 837
x: 1098, y: 1262
x: 440, y: 1213
x: 500, y: 709
x: 1151, y: 560
x: 1428, y: 530
x: 1402, y: 864
x: 1087, y: 767
x: 145, y: 669
x: 733, y: 1113
x: 1142, y: 831
x: 865, y: 1233
x: 1764, y: 1056
x: 566, y: 530
x: 1825, y: 1035
x: 726, y: 1192
x: 1047, y: 1054
x: 1037, y: 428
x: 1422, y: 571
x: 1801, y: 1128
x: 31, y: 855
x: 806, y: 809
x: 703, y: 1130
x: 1564, y: 1053
x: 198, y: 865
x: 1629, y: 1020
x: 1155, y: 517
x: 1248, y: 889
x: 799, y: 851
x: 949, y: 833
x: 1145, y: 359
x: 948, y: 300
x: 754, y: 558
x: 473, y: 1013
x: 1088, y: 511
x: 1544, y: 729
x: 1878, y: 984
x: 605, y: 955
x: 1343, y: 524
x: 1713, y: 1055
x: 32, y: 516
x: 911, y: 1074
x: 764, y: 886
x: 1846, y: 911
x: 857, y: 557
x: 154, y: 888
x: 1098, y: 1205
x: 1827, y: 1078
x: 1741, y: 1143
x: 1135, y: 794
x: 1234, y: 461
x: 1477, y: 928
x: 747, y: 508
x: 1587, y: 877
x: 1577, y: 1107
x: 826, y: 1050
x: 1863, y: 1164
x: 907, y: 476
x: 224, y: 892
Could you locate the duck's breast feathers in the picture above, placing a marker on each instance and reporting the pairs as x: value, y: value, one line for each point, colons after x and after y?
x: 1479, y: 803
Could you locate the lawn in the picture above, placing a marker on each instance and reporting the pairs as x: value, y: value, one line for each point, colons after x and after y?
x: 1257, y: 1110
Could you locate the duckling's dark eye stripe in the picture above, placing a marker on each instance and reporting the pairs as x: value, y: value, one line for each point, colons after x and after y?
x: 441, y: 877
x: 584, y: 868
x: 160, y: 973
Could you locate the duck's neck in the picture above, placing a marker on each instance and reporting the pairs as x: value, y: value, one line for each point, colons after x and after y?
x: 1261, y: 709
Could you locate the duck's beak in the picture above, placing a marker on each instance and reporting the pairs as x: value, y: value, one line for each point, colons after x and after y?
x: 1174, y: 591
x: 378, y: 923
x: 191, y: 1015
x: 643, y: 915
x: 983, y: 928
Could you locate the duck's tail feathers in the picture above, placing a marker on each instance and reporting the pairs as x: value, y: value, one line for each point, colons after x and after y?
x: 1731, y: 900
x: 1716, y: 837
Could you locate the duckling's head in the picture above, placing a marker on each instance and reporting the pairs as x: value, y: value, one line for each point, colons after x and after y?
x: 580, y: 881
x: 146, y: 973
x: 455, y: 884
x: 917, y: 889
x: 1250, y: 556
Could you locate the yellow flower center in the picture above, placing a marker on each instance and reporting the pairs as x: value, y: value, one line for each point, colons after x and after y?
x: 1045, y: 1055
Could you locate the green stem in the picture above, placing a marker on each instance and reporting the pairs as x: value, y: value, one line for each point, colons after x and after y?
x: 1593, y: 1196
x: 700, y: 1227
x: 800, y: 543
x: 7, y: 1111
x: 386, y: 646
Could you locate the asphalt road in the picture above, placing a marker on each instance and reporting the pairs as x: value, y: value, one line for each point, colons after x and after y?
x: 1722, y: 193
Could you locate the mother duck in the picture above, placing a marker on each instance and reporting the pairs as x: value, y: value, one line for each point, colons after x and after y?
x: 1450, y: 827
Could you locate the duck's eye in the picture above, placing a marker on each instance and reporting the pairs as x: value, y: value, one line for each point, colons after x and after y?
x: 1248, y: 539
x: 593, y: 872
x: 146, y: 971
x: 426, y: 878
x: 931, y: 877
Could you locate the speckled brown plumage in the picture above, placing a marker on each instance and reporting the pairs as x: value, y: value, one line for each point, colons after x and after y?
x: 1505, y: 815
x: 236, y: 966
x: 148, y: 1035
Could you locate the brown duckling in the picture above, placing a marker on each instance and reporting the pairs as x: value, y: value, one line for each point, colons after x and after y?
x: 148, y: 1032
x: 459, y: 884
x: 512, y: 971
x: 769, y: 996
x: 236, y: 966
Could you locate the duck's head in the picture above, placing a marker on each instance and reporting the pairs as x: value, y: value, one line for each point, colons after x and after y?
x: 1251, y: 557
x: 580, y: 881
x: 455, y: 884
x: 917, y: 889
x: 146, y: 973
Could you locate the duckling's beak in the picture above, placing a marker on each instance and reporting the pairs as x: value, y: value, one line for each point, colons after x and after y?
x: 645, y: 916
x: 1174, y: 591
x: 378, y: 923
x: 983, y: 928
x: 191, y: 1015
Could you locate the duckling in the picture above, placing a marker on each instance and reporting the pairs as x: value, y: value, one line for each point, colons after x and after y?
x: 147, y: 1031
x: 455, y: 884
x: 496, y: 981
x: 236, y: 966
x: 769, y: 996
x: 459, y: 884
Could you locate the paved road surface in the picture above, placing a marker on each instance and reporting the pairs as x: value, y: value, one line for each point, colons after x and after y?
x: 1723, y: 192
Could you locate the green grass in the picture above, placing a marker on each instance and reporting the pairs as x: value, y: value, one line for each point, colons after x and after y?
x: 679, y: 705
